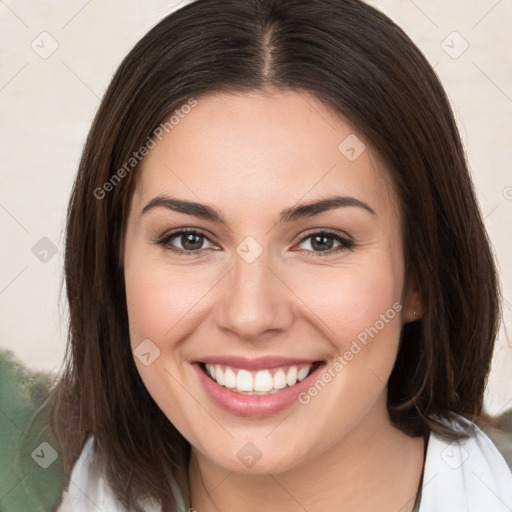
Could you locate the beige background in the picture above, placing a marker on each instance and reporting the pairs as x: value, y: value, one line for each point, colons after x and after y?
x: 47, y: 101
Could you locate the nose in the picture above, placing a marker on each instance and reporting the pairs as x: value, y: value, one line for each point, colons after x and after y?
x: 255, y: 301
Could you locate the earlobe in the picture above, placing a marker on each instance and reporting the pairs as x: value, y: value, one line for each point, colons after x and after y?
x: 411, y: 314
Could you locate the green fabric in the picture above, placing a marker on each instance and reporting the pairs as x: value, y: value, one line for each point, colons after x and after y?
x: 182, y: 498
x: 25, y: 485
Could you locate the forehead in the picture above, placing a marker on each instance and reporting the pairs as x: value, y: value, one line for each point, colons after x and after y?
x: 263, y: 148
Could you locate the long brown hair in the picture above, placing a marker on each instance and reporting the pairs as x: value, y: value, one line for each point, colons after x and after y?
x: 357, y: 61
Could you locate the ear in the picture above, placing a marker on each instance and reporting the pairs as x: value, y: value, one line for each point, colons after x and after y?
x: 413, y: 306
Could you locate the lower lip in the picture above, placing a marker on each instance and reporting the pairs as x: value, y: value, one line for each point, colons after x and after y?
x: 254, y: 406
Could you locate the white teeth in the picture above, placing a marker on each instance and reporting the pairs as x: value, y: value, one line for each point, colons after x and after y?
x: 291, y: 376
x: 229, y: 378
x: 219, y: 375
x: 279, y: 380
x: 261, y: 382
x: 244, y: 381
x: 303, y: 372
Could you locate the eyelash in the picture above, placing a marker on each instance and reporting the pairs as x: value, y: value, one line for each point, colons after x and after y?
x: 345, y: 243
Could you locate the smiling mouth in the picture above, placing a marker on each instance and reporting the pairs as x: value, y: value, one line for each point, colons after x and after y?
x: 258, y: 382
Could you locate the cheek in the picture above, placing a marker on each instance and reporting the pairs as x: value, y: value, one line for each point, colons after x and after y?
x: 159, y: 304
x: 350, y: 300
x: 160, y: 298
x: 361, y: 313
x: 358, y: 309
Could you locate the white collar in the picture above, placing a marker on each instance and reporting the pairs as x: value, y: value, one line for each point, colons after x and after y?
x: 470, y: 475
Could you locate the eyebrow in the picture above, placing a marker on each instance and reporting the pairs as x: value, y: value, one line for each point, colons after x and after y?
x: 300, y: 211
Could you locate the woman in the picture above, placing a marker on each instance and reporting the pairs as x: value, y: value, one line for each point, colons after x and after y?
x: 281, y: 291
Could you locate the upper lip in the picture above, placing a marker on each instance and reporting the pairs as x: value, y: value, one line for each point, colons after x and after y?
x: 256, y: 363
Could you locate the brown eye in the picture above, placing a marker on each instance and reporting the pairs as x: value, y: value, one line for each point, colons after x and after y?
x: 323, y: 242
x: 191, y: 241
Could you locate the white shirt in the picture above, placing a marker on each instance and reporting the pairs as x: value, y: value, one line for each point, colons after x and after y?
x: 465, y: 476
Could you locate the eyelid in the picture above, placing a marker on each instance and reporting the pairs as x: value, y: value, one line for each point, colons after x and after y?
x: 326, y: 231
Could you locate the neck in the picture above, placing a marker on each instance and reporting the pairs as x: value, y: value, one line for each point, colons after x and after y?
x: 374, y: 467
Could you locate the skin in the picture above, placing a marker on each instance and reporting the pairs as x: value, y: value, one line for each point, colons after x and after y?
x: 251, y: 156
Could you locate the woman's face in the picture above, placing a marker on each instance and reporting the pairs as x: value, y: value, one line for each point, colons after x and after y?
x: 270, y: 290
